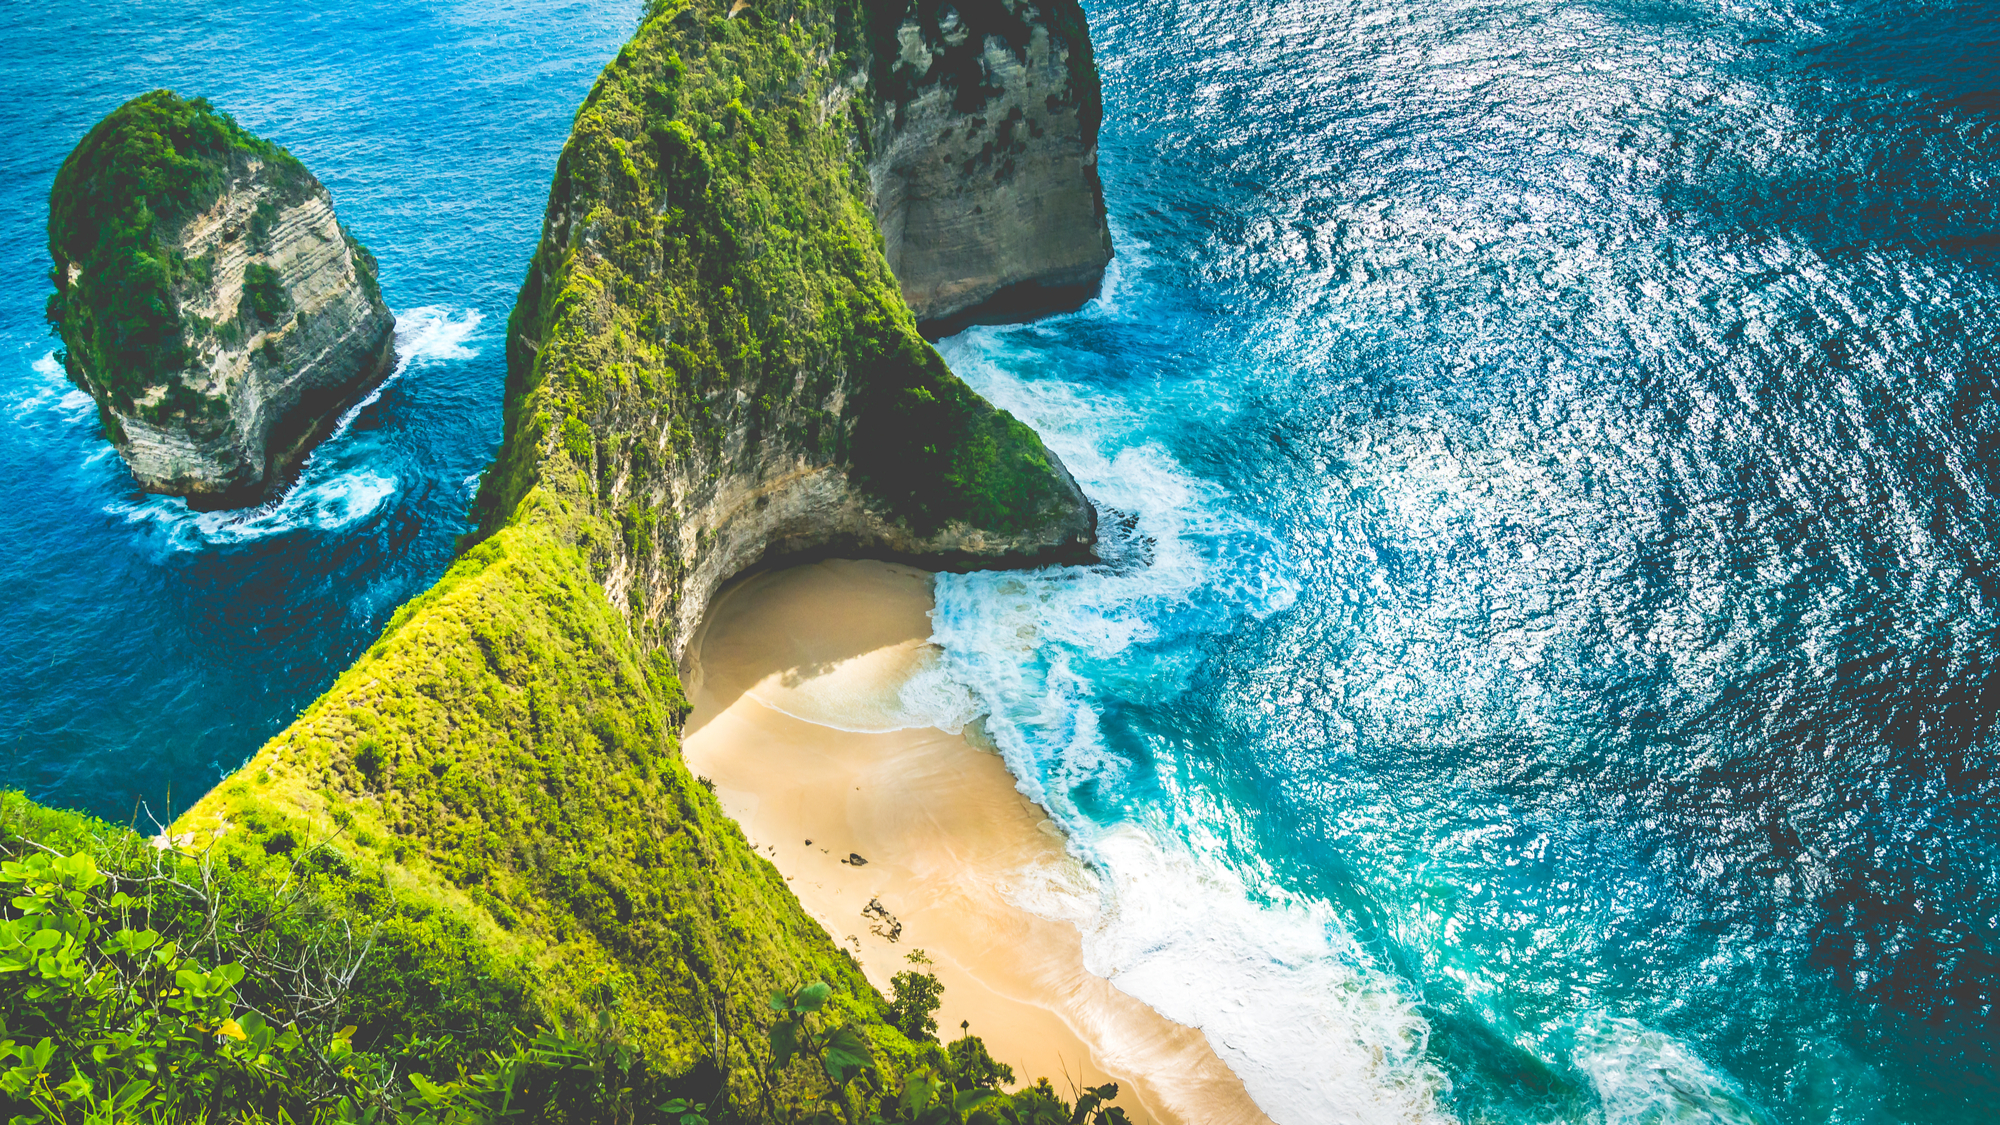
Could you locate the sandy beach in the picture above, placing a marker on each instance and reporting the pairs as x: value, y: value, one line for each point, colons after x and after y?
x: 805, y: 682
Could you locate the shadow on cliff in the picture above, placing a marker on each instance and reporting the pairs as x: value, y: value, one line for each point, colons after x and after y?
x: 1016, y: 304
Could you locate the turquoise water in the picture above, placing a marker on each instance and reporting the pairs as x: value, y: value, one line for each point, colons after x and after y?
x: 1544, y: 666
x: 1552, y: 666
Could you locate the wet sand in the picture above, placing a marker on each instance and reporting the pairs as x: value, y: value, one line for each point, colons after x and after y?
x: 788, y: 658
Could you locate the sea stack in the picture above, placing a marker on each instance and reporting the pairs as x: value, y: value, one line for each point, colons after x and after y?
x: 209, y: 300
x: 983, y: 158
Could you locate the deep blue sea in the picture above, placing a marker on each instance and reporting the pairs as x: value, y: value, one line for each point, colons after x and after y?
x: 1546, y: 662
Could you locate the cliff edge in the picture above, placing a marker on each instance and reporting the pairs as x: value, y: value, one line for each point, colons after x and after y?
x: 710, y: 366
x: 208, y: 299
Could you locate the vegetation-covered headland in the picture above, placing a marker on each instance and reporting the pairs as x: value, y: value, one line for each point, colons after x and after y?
x: 485, y: 827
x: 208, y: 299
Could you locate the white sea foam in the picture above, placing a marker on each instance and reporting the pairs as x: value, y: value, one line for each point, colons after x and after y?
x: 1646, y: 1077
x: 424, y: 335
x: 434, y: 332
x: 329, y: 494
x: 1285, y: 996
x: 50, y: 390
x: 328, y: 505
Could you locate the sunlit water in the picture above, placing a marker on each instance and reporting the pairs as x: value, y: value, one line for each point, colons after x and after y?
x: 1544, y: 668
x: 1551, y: 674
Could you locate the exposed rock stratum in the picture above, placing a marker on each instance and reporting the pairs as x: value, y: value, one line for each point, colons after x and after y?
x: 209, y: 300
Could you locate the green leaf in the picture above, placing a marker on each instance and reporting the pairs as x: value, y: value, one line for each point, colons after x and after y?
x: 967, y: 1100
x: 812, y: 997
x: 784, y: 1042
x: 919, y: 1090
x: 429, y: 1091
x: 846, y: 1055
x: 130, y: 1093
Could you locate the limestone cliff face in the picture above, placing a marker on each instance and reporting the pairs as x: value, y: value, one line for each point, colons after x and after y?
x: 983, y: 157
x: 264, y: 320
x: 710, y: 337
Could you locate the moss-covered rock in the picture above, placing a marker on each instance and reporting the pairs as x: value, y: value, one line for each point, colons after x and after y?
x: 208, y: 299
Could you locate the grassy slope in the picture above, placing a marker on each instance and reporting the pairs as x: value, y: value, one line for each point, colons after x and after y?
x: 499, y: 775
x: 502, y: 757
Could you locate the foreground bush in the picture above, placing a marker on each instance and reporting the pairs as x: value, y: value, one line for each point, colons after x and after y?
x: 142, y: 984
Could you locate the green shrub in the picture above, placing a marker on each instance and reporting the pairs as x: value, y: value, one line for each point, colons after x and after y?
x: 914, y: 998
x: 264, y: 294
x: 166, y: 987
x: 972, y: 1067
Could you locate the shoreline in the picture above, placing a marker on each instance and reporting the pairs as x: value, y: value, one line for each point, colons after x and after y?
x: 814, y: 691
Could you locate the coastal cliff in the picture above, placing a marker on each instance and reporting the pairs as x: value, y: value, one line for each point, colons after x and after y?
x: 982, y: 157
x: 208, y: 299
x: 710, y: 337
x: 711, y: 367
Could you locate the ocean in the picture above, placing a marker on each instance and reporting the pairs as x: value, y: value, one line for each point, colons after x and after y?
x: 1544, y: 665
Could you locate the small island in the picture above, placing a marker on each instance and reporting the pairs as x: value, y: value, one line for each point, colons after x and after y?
x: 209, y: 300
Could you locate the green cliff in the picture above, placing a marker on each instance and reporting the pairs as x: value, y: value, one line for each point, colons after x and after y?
x: 710, y: 361
x: 710, y: 367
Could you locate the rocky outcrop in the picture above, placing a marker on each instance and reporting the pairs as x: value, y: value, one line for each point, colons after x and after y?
x: 983, y: 158
x: 710, y: 336
x: 263, y: 319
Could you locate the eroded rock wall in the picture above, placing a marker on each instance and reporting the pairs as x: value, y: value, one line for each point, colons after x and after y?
x: 983, y: 158
x: 272, y: 376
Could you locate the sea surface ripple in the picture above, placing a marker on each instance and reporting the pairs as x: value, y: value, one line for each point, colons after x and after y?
x: 1548, y: 661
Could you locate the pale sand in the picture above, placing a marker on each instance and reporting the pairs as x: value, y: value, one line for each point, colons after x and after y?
x: 946, y: 835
